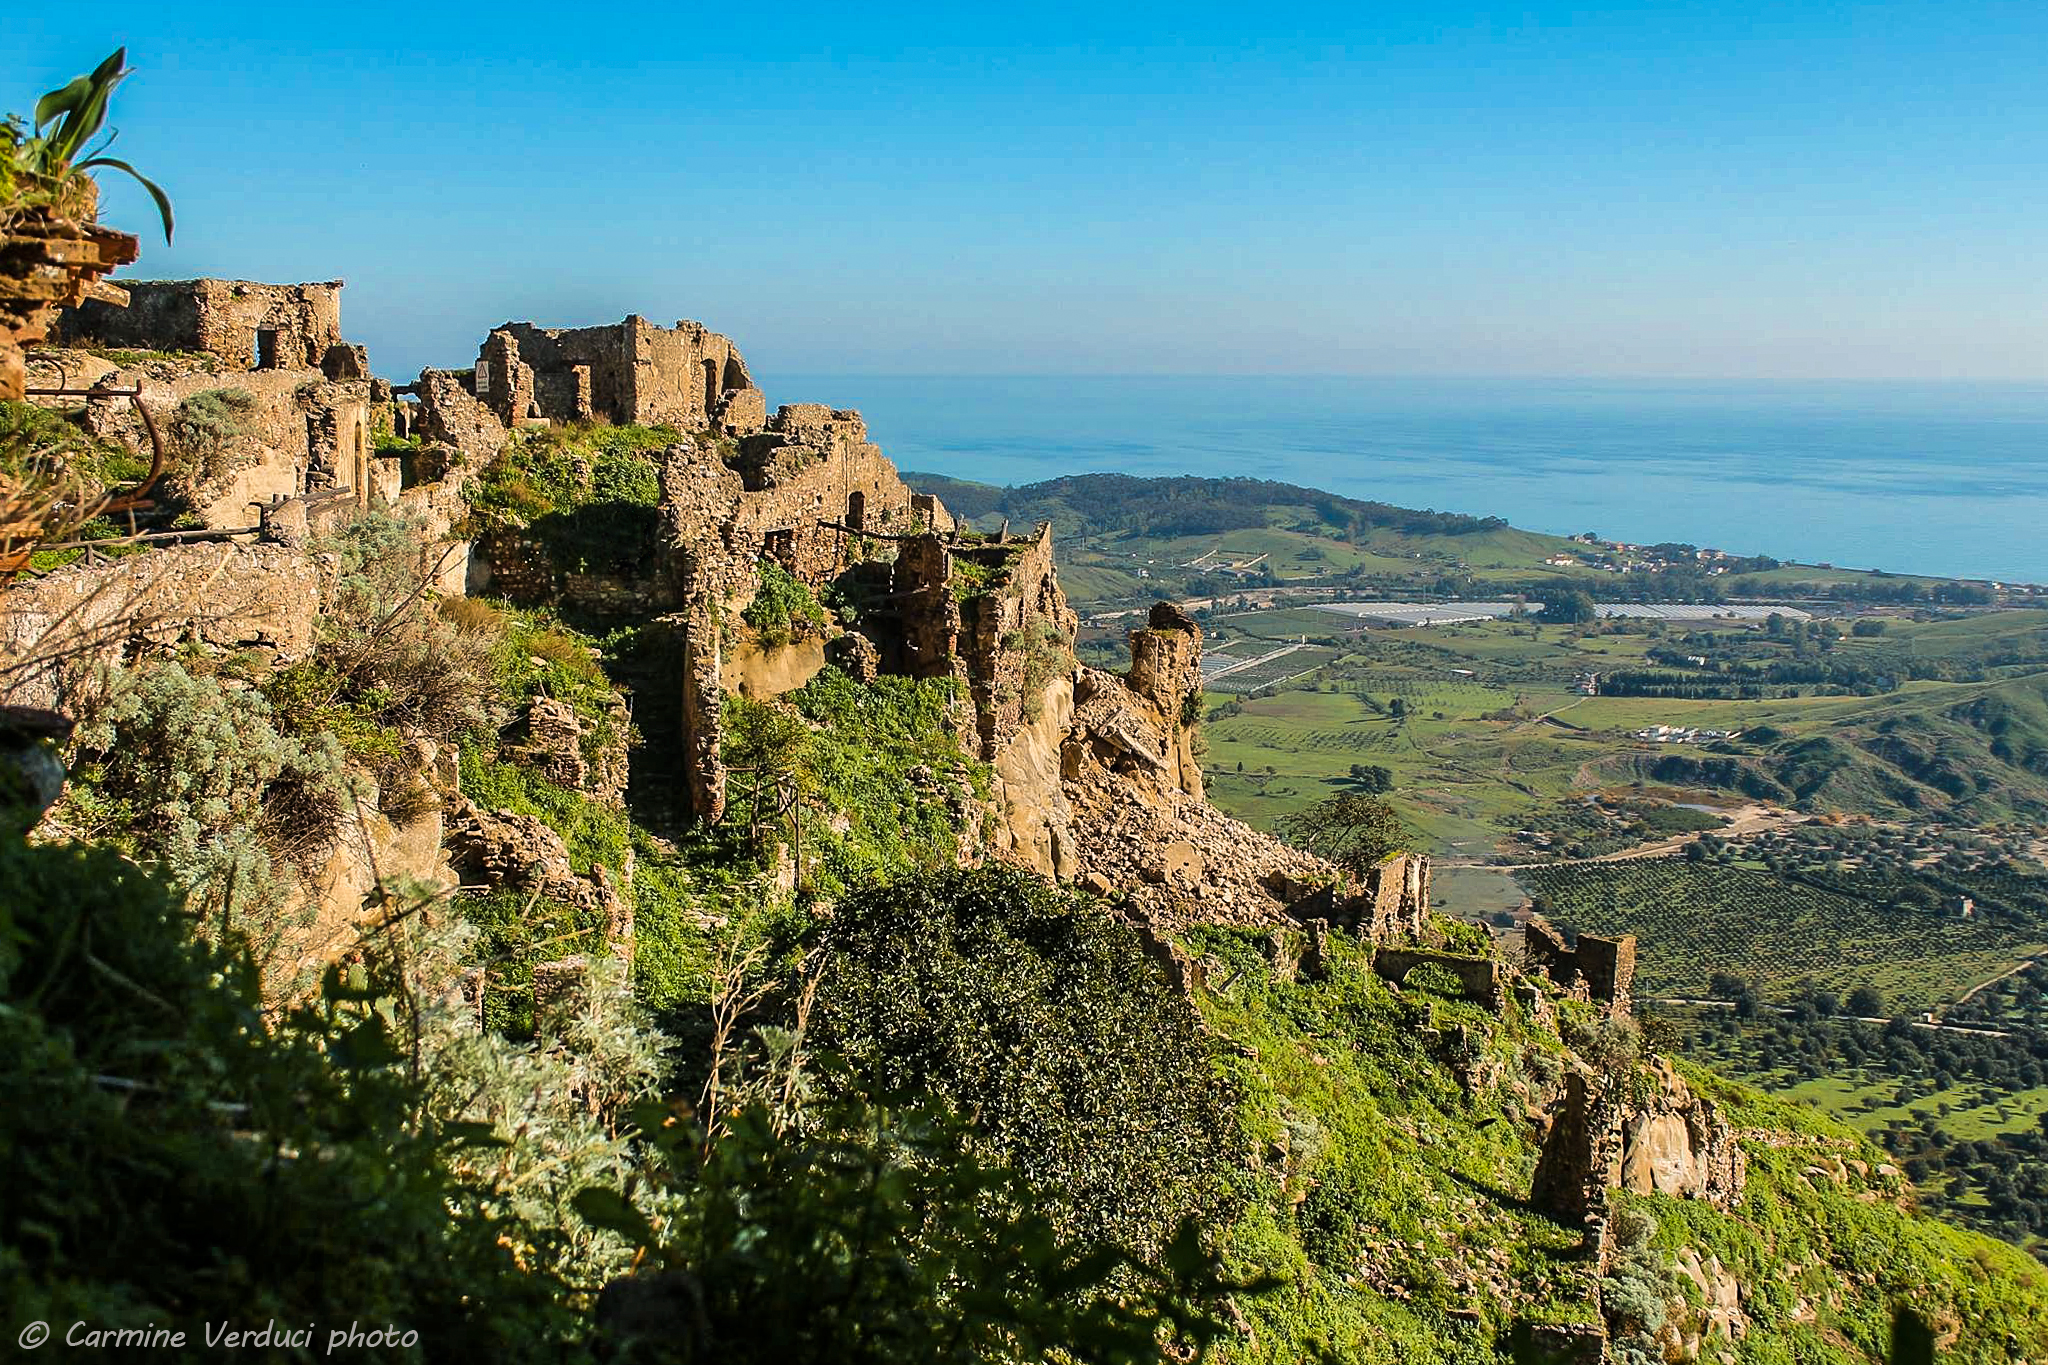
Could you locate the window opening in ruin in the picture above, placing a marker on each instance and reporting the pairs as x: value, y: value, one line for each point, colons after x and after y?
x: 857, y: 510
x: 266, y: 348
x: 710, y: 386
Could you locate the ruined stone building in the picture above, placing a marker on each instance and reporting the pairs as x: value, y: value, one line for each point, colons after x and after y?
x: 241, y: 324
x: 307, y: 429
x: 1602, y: 970
x: 687, y: 377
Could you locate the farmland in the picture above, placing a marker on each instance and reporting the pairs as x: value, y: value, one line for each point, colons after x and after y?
x: 1697, y: 919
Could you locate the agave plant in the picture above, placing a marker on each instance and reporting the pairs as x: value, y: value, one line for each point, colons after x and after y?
x: 66, y: 120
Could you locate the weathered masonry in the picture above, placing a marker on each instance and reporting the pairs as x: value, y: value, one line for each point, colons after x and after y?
x: 244, y: 325
x: 629, y: 372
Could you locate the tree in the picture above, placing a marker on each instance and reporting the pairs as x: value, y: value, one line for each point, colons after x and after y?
x: 1866, y: 1002
x: 1572, y: 607
x: 1354, y: 831
x: 1373, y: 777
x: 927, y: 979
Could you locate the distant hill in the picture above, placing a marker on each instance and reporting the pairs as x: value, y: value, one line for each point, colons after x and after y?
x: 1125, y: 538
x: 1096, y: 504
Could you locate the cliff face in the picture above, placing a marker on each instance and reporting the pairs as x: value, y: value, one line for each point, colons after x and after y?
x: 1660, y: 1139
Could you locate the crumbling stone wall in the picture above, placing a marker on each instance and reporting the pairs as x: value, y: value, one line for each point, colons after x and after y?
x: 812, y: 473
x: 711, y: 564
x: 1667, y: 1141
x: 61, y: 626
x: 1386, y: 905
x: 449, y: 416
x: 629, y: 372
x: 241, y: 324
x: 1479, y: 978
x: 1602, y: 970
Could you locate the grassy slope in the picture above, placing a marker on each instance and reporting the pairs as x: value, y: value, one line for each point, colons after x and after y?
x: 1387, y: 1195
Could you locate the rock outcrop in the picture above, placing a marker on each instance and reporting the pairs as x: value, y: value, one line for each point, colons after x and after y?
x: 494, y: 849
x: 1603, y: 1136
x: 49, y: 263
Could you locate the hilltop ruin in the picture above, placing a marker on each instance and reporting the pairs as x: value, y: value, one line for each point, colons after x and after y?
x: 1095, y: 775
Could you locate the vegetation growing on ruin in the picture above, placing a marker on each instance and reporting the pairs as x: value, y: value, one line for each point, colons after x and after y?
x: 783, y: 608
x: 1044, y: 652
x: 880, y: 761
x: 587, y: 490
x: 1373, y: 1159
x: 44, y: 159
x: 206, y: 434
x: 50, y: 450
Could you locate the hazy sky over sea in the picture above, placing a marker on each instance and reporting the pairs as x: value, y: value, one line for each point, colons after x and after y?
x: 1710, y: 189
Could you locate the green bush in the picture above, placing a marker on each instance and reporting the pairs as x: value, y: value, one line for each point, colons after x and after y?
x: 185, y: 771
x: 590, y: 492
x: 207, y: 434
x: 174, y: 1159
x: 1043, y: 1018
x: 869, y: 1234
x: 783, y: 608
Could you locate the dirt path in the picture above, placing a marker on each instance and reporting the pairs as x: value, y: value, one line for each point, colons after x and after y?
x: 1744, y: 820
x: 2013, y: 970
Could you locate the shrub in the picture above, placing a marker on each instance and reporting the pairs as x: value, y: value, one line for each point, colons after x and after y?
x: 185, y: 771
x: 182, y: 1157
x: 783, y: 608
x: 1045, y: 1019
x: 1046, y: 653
x: 207, y: 434
x: 1354, y: 831
x: 873, y: 1234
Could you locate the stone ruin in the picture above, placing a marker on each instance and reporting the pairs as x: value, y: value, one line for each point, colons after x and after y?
x: 309, y: 435
x: 627, y: 373
x: 1664, y: 1140
x: 1602, y: 970
x: 240, y: 324
x: 1388, y: 903
x: 1096, y: 777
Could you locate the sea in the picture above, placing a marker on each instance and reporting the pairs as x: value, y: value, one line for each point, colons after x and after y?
x: 1926, y: 478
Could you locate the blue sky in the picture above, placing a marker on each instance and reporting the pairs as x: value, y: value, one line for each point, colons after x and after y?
x: 1725, y: 189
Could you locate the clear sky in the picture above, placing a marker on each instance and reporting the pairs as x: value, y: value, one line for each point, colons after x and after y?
x: 1731, y: 188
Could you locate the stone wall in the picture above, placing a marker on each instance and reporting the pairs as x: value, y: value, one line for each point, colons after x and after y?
x: 1602, y: 970
x: 629, y: 372
x: 711, y: 564
x: 242, y: 324
x: 1480, y: 978
x: 1386, y: 905
x: 305, y: 432
x: 811, y: 473
x: 56, y: 629
x: 1670, y: 1141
